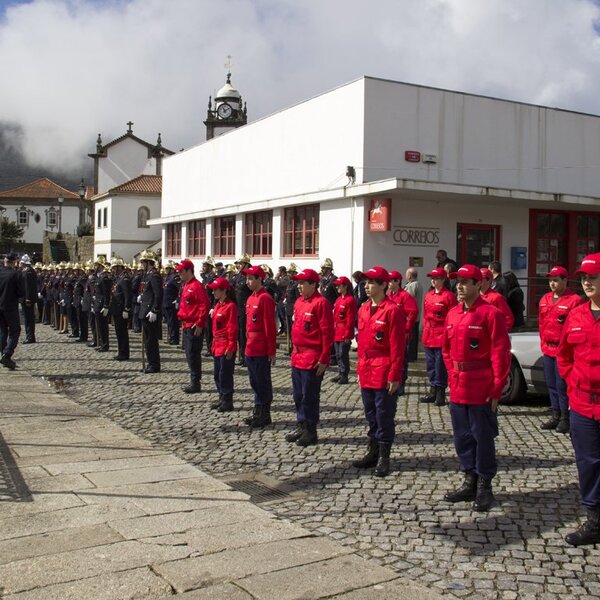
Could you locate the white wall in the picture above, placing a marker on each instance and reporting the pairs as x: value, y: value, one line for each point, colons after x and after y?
x: 33, y: 233
x: 304, y: 148
x: 479, y: 141
x: 124, y: 161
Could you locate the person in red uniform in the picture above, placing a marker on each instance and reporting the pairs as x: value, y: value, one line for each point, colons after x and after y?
x: 578, y: 365
x: 193, y: 312
x: 410, y: 309
x: 495, y: 298
x: 553, y: 310
x: 261, y: 345
x: 224, y: 322
x: 381, y: 350
x: 312, y: 338
x: 344, y: 321
x: 436, y: 304
x: 476, y: 351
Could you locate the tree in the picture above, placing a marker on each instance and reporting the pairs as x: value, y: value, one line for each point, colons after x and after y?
x: 9, y: 230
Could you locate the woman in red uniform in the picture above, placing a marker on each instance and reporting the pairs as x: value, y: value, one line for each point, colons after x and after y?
x: 436, y: 304
x: 225, y: 339
x: 381, y: 349
x: 579, y: 366
x: 344, y: 320
x: 553, y: 310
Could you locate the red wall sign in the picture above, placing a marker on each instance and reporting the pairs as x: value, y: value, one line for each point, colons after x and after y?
x: 412, y: 156
x: 380, y: 215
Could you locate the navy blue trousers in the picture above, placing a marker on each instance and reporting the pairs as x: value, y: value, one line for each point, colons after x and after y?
x: 557, y: 388
x: 10, y: 330
x: 259, y: 372
x: 342, y: 355
x: 585, y: 437
x: 380, y: 411
x: 306, y: 390
x: 151, y: 334
x: 29, y: 320
x: 192, y: 344
x: 475, y: 426
x: 405, y: 366
x: 172, y: 324
x: 436, y: 368
x: 223, y: 374
x: 83, y: 317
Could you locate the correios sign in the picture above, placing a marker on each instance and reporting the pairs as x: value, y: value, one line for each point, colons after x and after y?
x: 407, y: 235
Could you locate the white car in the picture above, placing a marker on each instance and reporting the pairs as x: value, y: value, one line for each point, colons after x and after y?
x: 526, y: 369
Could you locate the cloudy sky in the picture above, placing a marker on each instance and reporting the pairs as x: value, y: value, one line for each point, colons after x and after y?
x: 73, y: 68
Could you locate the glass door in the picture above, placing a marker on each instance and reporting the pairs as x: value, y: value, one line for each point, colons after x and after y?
x: 478, y: 244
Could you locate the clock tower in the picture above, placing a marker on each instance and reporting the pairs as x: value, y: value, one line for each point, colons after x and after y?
x: 227, y: 112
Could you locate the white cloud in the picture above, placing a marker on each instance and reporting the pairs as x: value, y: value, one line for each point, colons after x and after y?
x: 72, y: 68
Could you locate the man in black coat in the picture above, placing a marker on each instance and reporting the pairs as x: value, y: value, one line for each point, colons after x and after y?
x: 242, y: 293
x: 30, y: 298
x: 81, y: 305
x: 11, y: 289
x: 171, y: 286
x: 150, y: 301
x: 101, y: 304
x: 120, y: 307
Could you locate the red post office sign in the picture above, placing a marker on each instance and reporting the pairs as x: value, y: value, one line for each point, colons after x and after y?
x: 380, y: 215
x: 412, y: 156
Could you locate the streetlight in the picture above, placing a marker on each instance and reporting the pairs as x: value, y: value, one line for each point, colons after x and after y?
x: 82, y: 191
x: 60, y: 203
x: 2, y: 210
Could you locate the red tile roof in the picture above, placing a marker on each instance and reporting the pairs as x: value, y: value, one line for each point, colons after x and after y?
x: 144, y: 184
x: 40, y: 188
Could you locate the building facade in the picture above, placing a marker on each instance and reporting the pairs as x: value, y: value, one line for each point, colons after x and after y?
x: 483, y: 178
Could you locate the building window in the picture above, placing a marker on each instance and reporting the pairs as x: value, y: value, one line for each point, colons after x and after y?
x: 301, y: 231
x: 224, y: 236
x: 174, y: 239
x: 52, y: 218
x: 259, y: 233
x: 99, y: 219
x: 143, y: 216
x: 196, y: 238
x: 23, y: 217
x: 105, y: 217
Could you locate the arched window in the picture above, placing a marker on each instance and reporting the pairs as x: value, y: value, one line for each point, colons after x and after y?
x: 143, y: 216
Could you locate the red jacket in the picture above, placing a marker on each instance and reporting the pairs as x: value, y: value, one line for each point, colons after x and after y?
x: 498, y: 300
x: 194, y: 306
x: 381, y: 344
x: 312, y: 331
x: 435, y: 308
x: 409, y: 307
x: 476, y: 352
x: 224, y: 328
x: 578, y: 362
x: 552, y: 317
x: 261, y: 334
x: 344, y: 318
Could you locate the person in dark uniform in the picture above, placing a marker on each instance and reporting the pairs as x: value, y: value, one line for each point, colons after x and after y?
x: 88, y: 302
x: 40, y: 299
x: 102, y: 303
x: 73, y: 312
x: 11, y: 289
x: 171, y: 287
x: 291, y: 295
x: 81, y: 309
x: 150, y: 301
x: 207, y: 276
x: 136, y: 289
x: 120, y: 306
x: 242, y: 293
x: 30, y: 298
x: 328, y: 290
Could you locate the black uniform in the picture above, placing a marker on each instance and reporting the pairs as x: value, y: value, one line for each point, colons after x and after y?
x: 11, y: 289
x: 170, y: 298
x: 242, y: 292
x: 102, y: 301
x: 120, y: 303
x: 136, y: 289
x: 81, y: 307
x: 30, y: 298
x: 151, y: 301
x: 207, y: 277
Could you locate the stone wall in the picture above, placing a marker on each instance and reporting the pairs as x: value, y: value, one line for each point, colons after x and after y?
x: 81, y: 249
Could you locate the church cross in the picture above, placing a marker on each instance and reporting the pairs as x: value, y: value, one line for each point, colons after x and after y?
x: 129, y: 126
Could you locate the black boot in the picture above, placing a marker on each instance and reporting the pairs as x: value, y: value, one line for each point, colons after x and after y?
x: 383, y: 463
x: 335, y: 379
x: 402, y: 389
x: 294, y: 436
x: 193, y: 388
x: 429, y: 398
x: 253, y: 416
x: 467, y: 491
x: 485, y: 497
x: 370, y: 458
x: 215, y: 405
x: 226, y: 404
x: 552, y: 422
x: 440, y: 396
x: 343, y: 380
x: 309, y: 435
x: 589, y: 532
x: 263, y: 418
x: 564, y: 425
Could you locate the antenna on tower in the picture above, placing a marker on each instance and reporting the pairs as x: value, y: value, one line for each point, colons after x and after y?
x: 228, y: 66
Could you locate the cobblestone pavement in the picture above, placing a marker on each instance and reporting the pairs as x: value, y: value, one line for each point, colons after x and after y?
x: 515, y: 551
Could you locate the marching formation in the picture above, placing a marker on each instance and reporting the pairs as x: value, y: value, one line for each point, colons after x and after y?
x: 236, y: 312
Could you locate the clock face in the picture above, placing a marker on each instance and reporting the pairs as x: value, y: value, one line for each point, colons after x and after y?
x: 224, y: 111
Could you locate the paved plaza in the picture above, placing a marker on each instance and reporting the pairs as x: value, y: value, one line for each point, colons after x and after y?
x: 400, y: 522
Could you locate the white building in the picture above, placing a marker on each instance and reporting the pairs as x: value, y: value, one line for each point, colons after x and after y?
x: 127, y: 194
x: 485, y: 179
x: 44, y: 206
